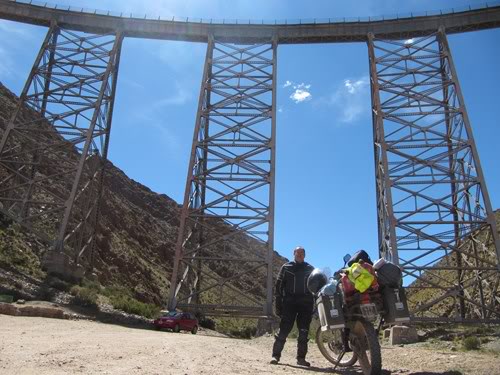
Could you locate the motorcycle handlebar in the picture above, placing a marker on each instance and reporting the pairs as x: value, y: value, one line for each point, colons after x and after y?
x: 338, y: 274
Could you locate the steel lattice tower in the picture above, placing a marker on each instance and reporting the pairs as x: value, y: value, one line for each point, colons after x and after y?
x: 228, y: 211
x: 53, y: 151
x: 434, y: 214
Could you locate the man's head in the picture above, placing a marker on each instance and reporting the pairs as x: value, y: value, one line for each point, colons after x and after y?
x: 299, y: 254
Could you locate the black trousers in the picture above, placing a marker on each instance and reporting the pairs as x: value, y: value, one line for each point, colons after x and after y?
x: 295, y: 308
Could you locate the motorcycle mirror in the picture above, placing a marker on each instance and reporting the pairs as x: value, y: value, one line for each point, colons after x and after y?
x: 346, y: 258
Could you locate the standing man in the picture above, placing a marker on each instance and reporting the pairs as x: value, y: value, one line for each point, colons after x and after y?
x: 294, y: 302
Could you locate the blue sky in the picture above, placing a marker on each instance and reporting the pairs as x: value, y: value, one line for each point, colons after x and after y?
x: 325, y: 189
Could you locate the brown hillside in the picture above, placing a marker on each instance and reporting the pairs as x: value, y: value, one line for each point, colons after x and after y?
x: 136, y: 235
x: 422, y: 291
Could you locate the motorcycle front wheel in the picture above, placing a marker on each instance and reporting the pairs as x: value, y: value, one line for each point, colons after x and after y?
x: 364, y: 342
x: 330, y: 345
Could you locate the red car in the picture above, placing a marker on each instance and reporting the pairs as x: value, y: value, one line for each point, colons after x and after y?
x: 177, y: 321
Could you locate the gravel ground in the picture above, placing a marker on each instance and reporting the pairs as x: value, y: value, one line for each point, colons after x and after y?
x: 30, y: 345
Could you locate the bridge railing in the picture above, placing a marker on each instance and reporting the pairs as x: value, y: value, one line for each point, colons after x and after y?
x: 295, y: 21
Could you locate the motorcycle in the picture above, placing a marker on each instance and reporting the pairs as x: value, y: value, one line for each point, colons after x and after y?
x: 351, y: 319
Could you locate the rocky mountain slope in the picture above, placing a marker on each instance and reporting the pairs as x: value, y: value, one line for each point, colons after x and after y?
x: 423, y: 290
x: 136, y: 236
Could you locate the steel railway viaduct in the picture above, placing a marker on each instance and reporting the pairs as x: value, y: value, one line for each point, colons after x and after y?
x: 434, y: 214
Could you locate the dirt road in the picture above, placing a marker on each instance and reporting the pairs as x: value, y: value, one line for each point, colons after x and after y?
x: 50, y: 346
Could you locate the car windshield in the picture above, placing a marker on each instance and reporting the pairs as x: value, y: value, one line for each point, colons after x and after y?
x: 170, y: 314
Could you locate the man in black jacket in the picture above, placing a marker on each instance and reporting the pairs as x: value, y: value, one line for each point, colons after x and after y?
x: 294, y: 302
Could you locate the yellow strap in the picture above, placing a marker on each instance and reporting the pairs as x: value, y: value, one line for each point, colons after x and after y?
x: 360, y: 277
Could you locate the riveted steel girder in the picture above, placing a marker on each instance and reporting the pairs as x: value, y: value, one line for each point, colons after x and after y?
x: 53, y: 150
x: 434, y: 214
x: 228, y: 212
x: 479, y: 17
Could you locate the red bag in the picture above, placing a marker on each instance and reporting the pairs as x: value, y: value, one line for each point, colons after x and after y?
x: 348, y: 286
x: 369, y: 267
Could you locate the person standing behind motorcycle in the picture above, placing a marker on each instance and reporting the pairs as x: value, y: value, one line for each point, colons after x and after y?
x: 294, y: 302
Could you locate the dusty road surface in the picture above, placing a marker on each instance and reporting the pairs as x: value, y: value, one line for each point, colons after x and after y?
x: 51, y: 346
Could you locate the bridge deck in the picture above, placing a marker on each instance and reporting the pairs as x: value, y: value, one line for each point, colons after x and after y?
x: 478, y: 19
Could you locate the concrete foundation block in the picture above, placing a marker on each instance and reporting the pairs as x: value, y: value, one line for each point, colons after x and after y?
x: 41, y: 311
x: 60, y: 264
x: 8, y: 309
x: 387, y: 333
x: 402, y: 335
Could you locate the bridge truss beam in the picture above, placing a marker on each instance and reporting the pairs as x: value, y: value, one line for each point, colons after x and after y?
x: 291, y: 32
x: 54, y: 148
x: 228, y: 212
x: 434, y: 214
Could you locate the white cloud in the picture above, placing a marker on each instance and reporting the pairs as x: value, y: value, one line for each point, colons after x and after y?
x: 351, y: 99
x: 167, y: 137
x: 178, y: 96
x: 132, y: 83
x: 181, y: 65
x: 14, y: 28
x: 14, y: 38
x: 301, y: 93
x: 152, y: 8
x: 6, y: 64
x: 299, y: 96
x: 356, y: 86
x: 287, y: 83
x: 302, y: 86
x: 153, y: 117
x: 180, y: 57
x: 213, y: 9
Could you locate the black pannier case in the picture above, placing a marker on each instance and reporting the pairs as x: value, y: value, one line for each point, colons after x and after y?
x: 389, y: 275
x: 395, y: 305
x: 359, y: 255
x: 331, y: 315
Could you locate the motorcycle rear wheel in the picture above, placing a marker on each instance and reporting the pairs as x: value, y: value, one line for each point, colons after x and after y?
x: 364, y: 342
x: 330, y: 345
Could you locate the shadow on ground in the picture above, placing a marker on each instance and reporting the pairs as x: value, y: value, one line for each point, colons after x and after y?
x: 357, y: 371
x: 329, y: 370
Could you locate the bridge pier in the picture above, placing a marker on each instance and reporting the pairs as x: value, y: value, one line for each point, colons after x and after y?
x: 228, y: 211
x: 53, y: 151
x: 434, y: 213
